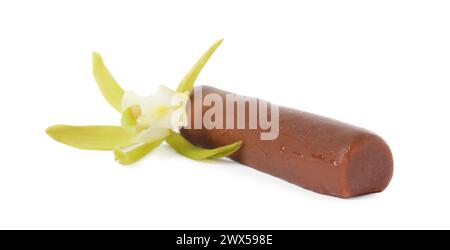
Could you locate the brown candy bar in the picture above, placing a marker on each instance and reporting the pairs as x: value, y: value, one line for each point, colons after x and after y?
x: 317, y: 153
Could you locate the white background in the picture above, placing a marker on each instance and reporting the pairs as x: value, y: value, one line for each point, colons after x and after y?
x: 383, y: 65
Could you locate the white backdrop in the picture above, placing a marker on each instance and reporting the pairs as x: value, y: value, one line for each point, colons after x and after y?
x: 383, y: 65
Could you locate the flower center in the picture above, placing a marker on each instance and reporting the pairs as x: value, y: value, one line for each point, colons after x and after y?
x: 136, y: 111
x: 161, y: 111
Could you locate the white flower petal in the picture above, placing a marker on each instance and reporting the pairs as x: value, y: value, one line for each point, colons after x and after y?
x: 130, y: 98
x: 152, y: 134
x: 162, y: 97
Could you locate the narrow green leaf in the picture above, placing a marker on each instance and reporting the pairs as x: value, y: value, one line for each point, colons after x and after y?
x: 188, y: 81
x: 110, y: 89
x: 135, y: 154
x: 91, y: 137
x: 184, y: 147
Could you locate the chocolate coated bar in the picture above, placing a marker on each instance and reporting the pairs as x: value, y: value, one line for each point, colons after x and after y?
x: 317, y: 153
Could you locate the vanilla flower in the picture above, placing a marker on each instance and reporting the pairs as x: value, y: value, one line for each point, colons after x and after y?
x: 146, y: 122
x: 156, y: 114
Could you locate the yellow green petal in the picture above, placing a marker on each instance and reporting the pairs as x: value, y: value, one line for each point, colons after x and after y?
x: 110, y: 89
x: 91, y: 137
x: 188, y: 81
x: 135, y: 154
x: 128, y: 119
x: 184, y: 147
